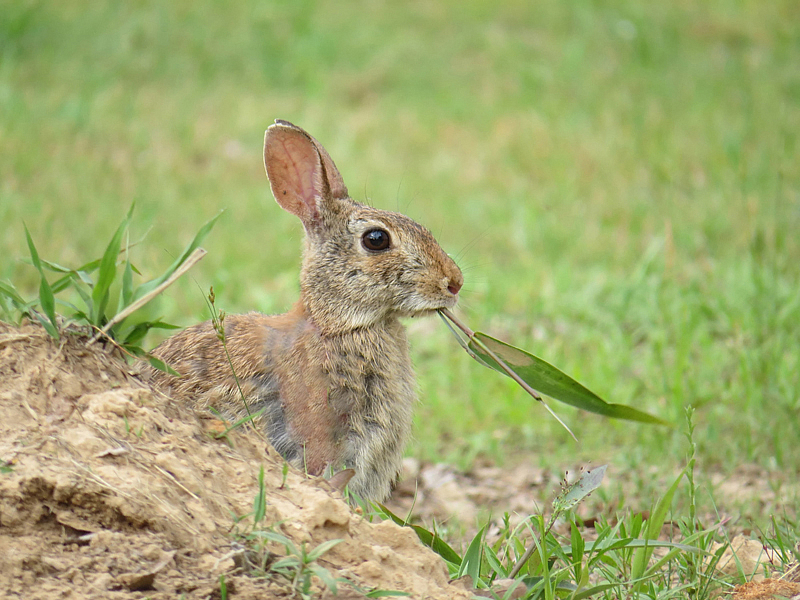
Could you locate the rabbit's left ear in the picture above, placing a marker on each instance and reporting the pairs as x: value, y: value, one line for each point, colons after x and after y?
x: 301, y: 173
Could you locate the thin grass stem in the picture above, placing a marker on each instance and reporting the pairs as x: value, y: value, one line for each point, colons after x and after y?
x: 193, y: 259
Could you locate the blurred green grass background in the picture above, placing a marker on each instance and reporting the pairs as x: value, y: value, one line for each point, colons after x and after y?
x: 619, y: 180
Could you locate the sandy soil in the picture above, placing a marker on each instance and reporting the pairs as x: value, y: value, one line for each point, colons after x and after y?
x: 110, y: 491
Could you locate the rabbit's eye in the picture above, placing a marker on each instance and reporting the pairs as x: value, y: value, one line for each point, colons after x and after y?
x: 376, y: 240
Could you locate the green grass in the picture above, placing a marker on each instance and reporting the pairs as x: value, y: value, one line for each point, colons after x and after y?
x: 631, y: 556
x: 620, y: 182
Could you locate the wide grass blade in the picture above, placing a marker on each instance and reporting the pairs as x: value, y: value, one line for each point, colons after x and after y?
x: 283, y: 540
x: 136, y: 334
x: 432, y: 541
x: 260, y: 503
x: 550, y: 381
x: 538, y: 376
x: 154, y: 361
x: 126, y: 293
x: 471, y: 564
x: 108, y: 272
x: 631, y: 543
x: 10, y: 301
x: 10, y: 292
x: 589, y: 592
x: 494, y: 562
x: 321, y: 549
x: 46, y: 297
x: 532, y: 581
x: 325, y: 576
x: 463, y: 343
x: 655, y: 523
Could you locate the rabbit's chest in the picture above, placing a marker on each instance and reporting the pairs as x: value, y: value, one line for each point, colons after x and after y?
x: 363, y: 388
x: 372, y: 394
x: 369, y: 374
x: 345, y: 400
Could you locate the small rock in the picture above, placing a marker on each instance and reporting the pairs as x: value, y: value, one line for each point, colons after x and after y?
x: 56, y: 564
x: 749, y: 555
x: 151, y: 552
x: 327, y: 512
x: 436, y: 475
x: 410, y: 470
x: 137, y: 582
x: 103, y: 581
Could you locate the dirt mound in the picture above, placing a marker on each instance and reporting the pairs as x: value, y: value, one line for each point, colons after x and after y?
x: 109, y: 490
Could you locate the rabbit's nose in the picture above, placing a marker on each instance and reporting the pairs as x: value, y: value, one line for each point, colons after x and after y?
x: 454, y: 285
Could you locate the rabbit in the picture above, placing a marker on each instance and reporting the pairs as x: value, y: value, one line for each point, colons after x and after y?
x: 333, y: 375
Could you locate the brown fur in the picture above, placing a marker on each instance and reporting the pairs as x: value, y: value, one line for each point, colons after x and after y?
x: 333, y: 375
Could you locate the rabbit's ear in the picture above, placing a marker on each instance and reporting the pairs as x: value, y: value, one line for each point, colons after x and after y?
x: 300, y: 171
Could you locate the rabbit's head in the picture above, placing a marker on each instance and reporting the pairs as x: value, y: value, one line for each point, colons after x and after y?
x: 361, y: 265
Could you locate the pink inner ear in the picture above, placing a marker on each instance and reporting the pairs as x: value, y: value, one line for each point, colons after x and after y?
x: 294, y: 169
x: 302, y: 167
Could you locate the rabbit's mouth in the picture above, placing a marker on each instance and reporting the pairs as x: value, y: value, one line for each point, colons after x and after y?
x: 416, y: 306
